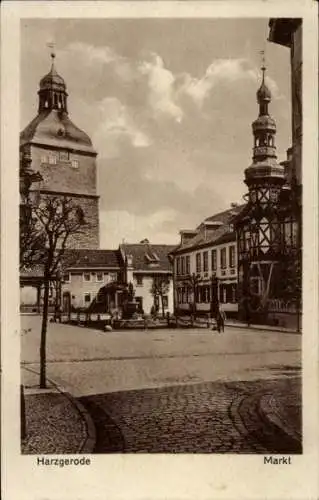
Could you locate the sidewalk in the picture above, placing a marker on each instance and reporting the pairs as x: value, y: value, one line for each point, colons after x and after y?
x: 55, y: 422
x: 260, y: 327
x: 203, y: 322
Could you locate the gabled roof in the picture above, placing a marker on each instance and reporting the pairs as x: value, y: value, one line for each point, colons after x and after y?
x: 91, y: 259
x: 222, y: 234
x: 148, y: 257
x: 226, y: 215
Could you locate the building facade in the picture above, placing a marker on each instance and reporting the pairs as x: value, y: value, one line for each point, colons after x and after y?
x: 85, y: 272
x: 269, y: 228
x: 145, y: 264
x: 63, y: 155
x: 205, y: 267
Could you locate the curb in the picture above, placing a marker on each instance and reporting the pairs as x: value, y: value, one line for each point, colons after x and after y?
x: 90, y: 440
x: 88, y: 445
x: 270, y: 415
x: 262, y: 327
x: 271, y: 419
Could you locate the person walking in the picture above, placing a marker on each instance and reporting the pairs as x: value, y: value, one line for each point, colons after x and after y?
x: 221, y: 316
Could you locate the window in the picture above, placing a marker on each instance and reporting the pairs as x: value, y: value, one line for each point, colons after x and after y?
x: 178, y: 265
x: 86, y: 276
x: 182, y: 265
x: 67, y: 277
x: 52, y: 160
x: 139, y: 280
x: 223, y: 258
x: 232, y: 256
x: 44, y: 159
x: 113, y: 276
x: 198, y: 263
x: 87, y: 298
x: 75, y: 163
x: 214, y: 260
x: 188, y: 264
x: 99, y: 276
x: 205, y: 261
x: 64, y: 156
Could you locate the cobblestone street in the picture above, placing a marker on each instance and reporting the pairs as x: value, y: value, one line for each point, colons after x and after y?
x: 199, y: 418
x: 177, y: 391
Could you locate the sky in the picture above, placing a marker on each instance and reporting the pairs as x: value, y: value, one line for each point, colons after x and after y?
x: 168, y: 104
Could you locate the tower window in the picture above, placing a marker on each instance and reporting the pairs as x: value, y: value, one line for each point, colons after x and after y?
x: 75, y: 163
x: 64, y: 155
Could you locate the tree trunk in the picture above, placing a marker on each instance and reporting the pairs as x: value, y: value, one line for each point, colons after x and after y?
x: 162, y: 302
x: 44, y: 327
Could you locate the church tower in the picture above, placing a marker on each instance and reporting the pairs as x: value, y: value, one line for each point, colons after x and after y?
x: 259, y: 226
x: 63, y: 155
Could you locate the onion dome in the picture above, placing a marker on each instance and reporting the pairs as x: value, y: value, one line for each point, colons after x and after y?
x: 52, y: 80
x: 263, y: 93
x: 264, y: 122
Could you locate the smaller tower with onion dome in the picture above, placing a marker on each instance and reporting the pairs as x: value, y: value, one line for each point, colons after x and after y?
x: 259, y: 225
x: 63, y: 155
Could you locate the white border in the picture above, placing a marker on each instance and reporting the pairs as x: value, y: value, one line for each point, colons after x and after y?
x: 155, y: 476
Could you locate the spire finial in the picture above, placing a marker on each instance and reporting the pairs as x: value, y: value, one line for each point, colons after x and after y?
x: 51, y: 45
x: 263, y: 64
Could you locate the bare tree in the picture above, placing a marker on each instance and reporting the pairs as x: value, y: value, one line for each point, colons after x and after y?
x: 55, y: 219
x: 32, y: 240
x: 160, y: 289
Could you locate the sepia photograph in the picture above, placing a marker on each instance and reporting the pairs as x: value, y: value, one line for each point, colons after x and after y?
x: 159, y: 250
x: 161, y: 236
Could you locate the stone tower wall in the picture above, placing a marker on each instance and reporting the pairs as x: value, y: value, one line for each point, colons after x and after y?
x: 63, y: 177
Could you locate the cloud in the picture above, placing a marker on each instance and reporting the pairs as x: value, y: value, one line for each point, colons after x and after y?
x: 161, y: 87
x: 119, y: 225
x: 116, y: 125
x: 219, y: 72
